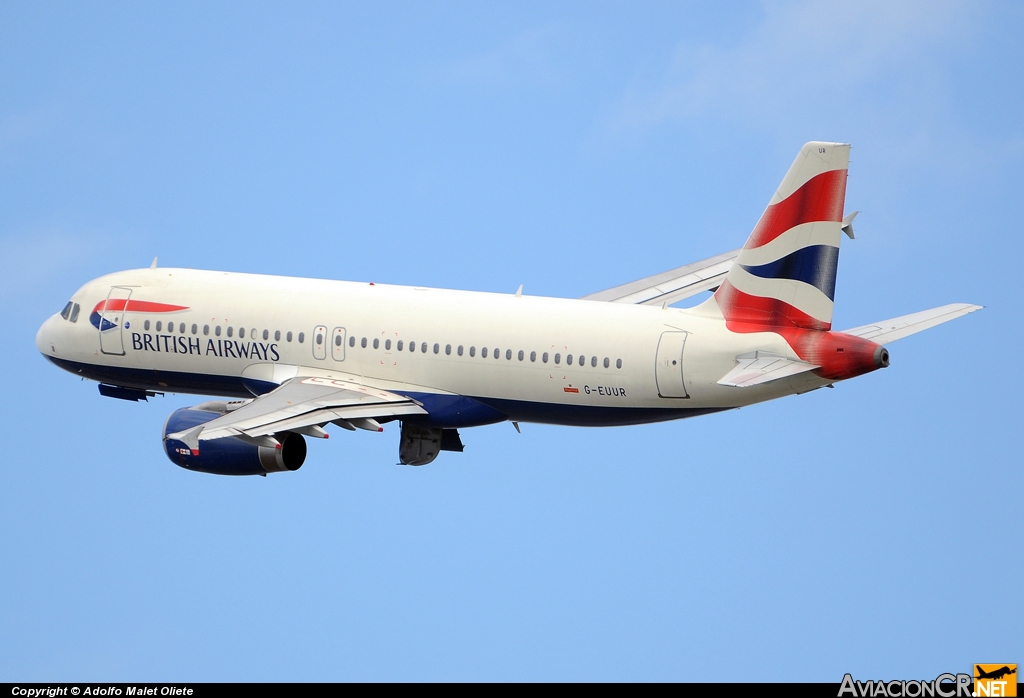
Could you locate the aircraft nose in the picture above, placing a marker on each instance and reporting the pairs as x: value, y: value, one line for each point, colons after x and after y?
x: 46, y: 337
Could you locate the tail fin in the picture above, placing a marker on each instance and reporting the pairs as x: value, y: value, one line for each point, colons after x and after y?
x: 786, y: 273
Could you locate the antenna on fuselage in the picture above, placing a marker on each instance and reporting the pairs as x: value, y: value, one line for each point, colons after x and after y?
x: 153, y: 265
x: 519, y: 293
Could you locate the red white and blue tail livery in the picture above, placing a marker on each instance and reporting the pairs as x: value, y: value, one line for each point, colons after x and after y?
x: 297, y: 356
x: 786, y: 273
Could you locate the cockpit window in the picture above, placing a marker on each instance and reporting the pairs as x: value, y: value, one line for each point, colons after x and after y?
x: 67, y: 310
x: 74, y: 313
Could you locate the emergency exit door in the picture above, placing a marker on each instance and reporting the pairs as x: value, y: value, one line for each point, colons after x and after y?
x: 338, y: 344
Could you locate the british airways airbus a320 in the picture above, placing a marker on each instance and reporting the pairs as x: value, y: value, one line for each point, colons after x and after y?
x: 299, y: 354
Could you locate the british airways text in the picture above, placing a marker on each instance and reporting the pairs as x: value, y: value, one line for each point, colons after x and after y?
x: 224, y: 348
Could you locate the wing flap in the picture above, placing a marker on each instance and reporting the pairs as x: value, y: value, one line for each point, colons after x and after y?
x: 906, y: 325
x: 302, y: 402
x: 760, y: 367
x: 329, y: 415
x: 672, y: 285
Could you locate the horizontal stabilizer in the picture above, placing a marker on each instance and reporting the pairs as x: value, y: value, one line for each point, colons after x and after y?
x: 906, y: 325
x: 671, y: 286
x: 761, y: 367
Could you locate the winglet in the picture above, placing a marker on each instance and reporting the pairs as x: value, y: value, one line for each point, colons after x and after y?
x: 153, y: 265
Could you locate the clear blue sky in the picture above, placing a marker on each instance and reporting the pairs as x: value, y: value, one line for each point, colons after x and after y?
x: 566, y: 147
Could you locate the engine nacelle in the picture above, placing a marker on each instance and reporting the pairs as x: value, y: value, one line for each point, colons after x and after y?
x: 230, y: 456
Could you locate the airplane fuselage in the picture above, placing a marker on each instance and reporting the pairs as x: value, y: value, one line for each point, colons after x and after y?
x: 470, y: 358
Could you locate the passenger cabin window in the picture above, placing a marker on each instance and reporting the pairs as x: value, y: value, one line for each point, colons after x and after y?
x: 277, y: 335
x: 337, y: 340
x: 460, y: 350
x: 437, y: 349
x: 145, y: 325
x: 160, y: 326
x: 266, y: 335
x: 352, y: 341
x: 483, y: 352
x: 195, y: 329
x: 448, y: 349
x: 558, y: 358
x: 302, y: 337
x: 533, y: 356
x: 544, y: 358
x: 206, y: 330
x: 472, y: 351
x: 618, y: 363
x: 520, y: 354
x: 181, y: 328
x: 593, y: 362
x: 376, y: 342
x: 387, y: 344
x: 412, y: 346
x: 400, y: 345
x: 606, y: 361
x: 216, y: 330
x: 74, y: 312
x: 230, y: 330
x: 67, y: 310
x: 497, y: 353
x: 423, y: 347
x: 362, y: 342
x: 289, y: 336
x: 568, y: 359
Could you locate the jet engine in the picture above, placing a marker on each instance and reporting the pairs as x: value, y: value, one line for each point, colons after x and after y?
x: 230, y: 455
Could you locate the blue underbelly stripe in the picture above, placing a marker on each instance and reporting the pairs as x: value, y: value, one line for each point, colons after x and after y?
x: 449, y: 411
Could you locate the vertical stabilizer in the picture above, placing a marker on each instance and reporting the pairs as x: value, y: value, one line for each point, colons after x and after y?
x: 785, y: 276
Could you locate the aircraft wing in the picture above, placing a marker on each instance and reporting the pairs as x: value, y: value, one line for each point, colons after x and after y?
x: 906, y: 325
x: 672, y: 285
x: 301, y: 404
x: 761, y: 367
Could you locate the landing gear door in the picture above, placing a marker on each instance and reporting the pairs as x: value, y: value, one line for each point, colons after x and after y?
x: 320, y: 342
x: 111, y: 319
x: 338, y: 344
x: 669, y: 367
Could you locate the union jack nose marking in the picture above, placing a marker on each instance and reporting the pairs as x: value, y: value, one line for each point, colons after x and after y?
x: 127, y: 306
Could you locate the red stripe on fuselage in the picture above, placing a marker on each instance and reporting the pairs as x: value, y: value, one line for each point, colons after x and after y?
x: 821, y: 198
x: 131, y: 306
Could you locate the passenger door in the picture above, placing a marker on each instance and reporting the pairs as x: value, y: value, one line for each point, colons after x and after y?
x: 669, y: 367
x: 111, y: 320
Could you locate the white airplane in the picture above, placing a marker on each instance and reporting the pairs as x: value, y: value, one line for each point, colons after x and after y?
x: 299, y: 354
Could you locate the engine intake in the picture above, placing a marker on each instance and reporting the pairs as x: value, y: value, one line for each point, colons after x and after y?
x: 230, y: 456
